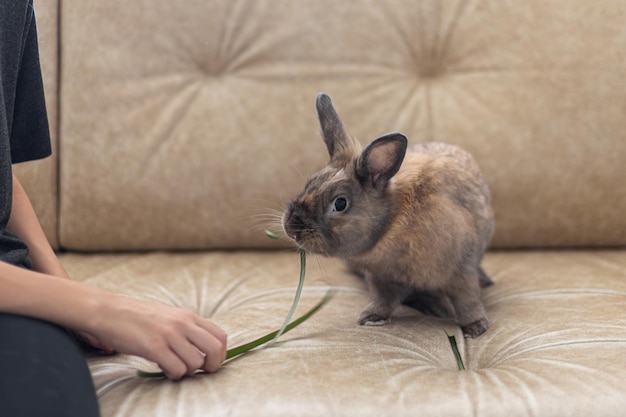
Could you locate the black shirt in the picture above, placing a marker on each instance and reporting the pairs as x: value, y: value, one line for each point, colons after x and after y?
x: 24, y: 131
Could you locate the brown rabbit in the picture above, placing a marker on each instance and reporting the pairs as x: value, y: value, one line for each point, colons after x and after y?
x: 415, y: 224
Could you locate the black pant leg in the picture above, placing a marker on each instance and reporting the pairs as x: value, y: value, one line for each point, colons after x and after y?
x: 42, y: 371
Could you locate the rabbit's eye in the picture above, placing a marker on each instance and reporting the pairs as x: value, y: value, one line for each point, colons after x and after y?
x: 340, y: 204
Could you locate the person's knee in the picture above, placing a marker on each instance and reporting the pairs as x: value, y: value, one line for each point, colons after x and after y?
x: 42, y: 371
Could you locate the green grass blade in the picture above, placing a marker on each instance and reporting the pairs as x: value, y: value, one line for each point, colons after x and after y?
x: 271, y: 336
x: 296, y: 298
x: 457, y: 354
x: 271, y: 235
x: 286, y: 326
x: 236, y: 351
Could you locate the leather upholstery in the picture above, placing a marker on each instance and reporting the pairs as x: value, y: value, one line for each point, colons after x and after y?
x: 182, y: 125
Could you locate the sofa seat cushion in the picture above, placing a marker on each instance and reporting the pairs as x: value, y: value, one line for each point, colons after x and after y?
x: 556, y: 346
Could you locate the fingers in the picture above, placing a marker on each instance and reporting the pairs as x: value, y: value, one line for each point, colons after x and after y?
x: 199, y: 344
x: 212, y: 344
x: 189, y: 359
x: 212, y: 328
x: 91, y: 340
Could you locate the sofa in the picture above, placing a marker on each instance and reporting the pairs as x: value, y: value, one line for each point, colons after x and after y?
x: 181, y: 130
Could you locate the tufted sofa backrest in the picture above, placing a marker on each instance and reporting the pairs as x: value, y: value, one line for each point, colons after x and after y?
x: 183, y: 123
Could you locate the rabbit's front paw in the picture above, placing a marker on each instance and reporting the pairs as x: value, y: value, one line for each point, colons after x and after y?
x: 475, y: 329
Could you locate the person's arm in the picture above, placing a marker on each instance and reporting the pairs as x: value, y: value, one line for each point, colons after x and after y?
x: 178, y: 340
x: 25, y: 224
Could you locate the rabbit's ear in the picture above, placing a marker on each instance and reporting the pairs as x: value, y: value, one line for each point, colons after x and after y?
x: 381, y: 159
x: 338, y: 143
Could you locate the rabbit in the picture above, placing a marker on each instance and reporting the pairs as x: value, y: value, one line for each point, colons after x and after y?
x: 413, y: 222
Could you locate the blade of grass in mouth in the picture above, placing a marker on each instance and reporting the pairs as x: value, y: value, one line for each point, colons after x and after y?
x: 296, y: 298
x: 273, y: 336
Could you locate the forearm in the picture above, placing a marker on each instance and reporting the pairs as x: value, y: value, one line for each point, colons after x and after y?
x: 25, y: 224
x: 50, y: 298
x: 178, y: 340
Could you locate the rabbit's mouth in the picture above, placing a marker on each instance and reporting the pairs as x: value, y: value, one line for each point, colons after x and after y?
x: 309, y: 241
x: 303, y: 235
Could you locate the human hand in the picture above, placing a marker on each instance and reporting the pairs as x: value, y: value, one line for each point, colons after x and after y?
x: 177, y: 340
x: 91, y: 342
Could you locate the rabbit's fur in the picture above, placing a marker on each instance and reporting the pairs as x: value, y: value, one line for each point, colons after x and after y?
x: 414, y: 223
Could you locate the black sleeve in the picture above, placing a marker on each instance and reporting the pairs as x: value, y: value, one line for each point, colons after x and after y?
x: 30, y: 134
x: 24, y: 133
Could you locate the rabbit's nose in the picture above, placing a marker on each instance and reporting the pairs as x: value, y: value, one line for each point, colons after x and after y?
x: 294, y: 226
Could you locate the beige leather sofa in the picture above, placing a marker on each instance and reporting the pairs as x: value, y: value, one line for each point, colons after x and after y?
x: 179, y: 126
